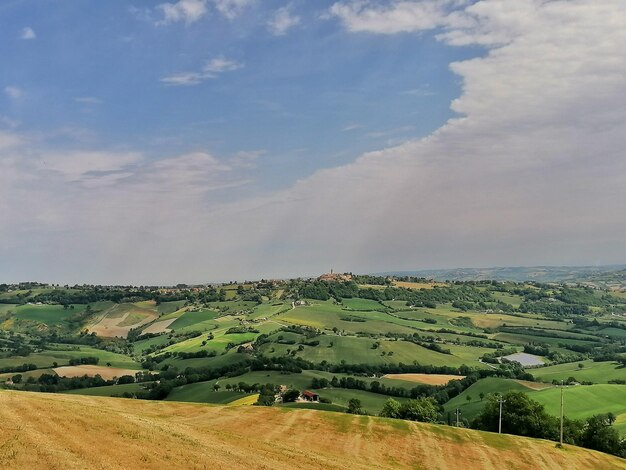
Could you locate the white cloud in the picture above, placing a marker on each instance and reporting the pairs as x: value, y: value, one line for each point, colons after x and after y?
x: 531, y: 171
x: 221, y: 64
x: 190, y: 11
x: 394, y: 17
x: 28, y: 33
x: 187, y: 11
x: 232, y: 8
x: 282, y: 21
x: 13, y: 92
x: 212, y: 69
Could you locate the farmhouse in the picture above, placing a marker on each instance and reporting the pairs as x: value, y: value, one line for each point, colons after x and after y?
x: 310, y: 396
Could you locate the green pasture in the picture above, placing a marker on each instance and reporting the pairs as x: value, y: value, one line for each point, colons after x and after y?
x: 109, y: 390
x: 363, y: 304
x: 489, y: 385
x: 50, y: 315
x: 202, y: 392
x: 597, y: 372
x: 189, y: 319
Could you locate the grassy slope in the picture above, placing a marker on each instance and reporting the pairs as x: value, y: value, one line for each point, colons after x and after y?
x: 65, y: 431
x: 469, y: 409
x: 597, y: 372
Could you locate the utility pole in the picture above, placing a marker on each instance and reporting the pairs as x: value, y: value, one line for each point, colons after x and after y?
x: 561, y: 436
x: 500, y: 400
x: 457, y: 412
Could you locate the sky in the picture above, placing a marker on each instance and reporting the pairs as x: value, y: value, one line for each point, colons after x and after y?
x: 211, y: 140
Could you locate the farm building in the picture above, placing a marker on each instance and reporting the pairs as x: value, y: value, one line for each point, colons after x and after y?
x: 310, y: 396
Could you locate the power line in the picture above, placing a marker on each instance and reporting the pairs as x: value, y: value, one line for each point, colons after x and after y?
x: 457, y: 412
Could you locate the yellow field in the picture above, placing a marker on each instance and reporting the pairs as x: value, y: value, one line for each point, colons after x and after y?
x: 245, y: 401
x: 47, y: 431
x: 429, y: 379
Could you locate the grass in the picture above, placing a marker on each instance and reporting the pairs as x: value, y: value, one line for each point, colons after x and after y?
x: 203, y: 393
x: 363, y: 304
x: 597, y: 372
x: 372, y: 403
x: 170, y: 307
x: 61, y: 354
x: 583, y: 401
x: 470, y: 409
x: 109, y: 390
x: 188, y: 319
x: 50, y: 315
x: 354, y: 350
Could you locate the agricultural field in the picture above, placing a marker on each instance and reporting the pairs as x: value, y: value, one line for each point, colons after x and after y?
x: 596, y: 372
x: 197, y: 436
x: 347, y: 341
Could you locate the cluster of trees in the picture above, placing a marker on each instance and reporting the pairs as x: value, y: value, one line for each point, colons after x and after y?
x: 76, y: 361
x: 523, y: 416
x: 421, y: 409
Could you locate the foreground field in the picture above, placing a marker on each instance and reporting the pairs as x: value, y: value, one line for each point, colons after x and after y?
x: 64, y: 431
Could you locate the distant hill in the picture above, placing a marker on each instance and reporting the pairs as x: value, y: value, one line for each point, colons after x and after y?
x: 67, y: 431
x: 609, y: 273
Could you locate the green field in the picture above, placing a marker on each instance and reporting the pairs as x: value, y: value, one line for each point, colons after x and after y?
x: 203, y: 393
x: 489, y: 385
x: 363, y: 304
x: 188, y: 319
x: 372, y: 402
x: 109, y: 390
x: 48, y: 314
x: 597, y: 372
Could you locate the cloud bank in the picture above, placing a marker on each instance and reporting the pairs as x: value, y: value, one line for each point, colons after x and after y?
x: 531, y: 171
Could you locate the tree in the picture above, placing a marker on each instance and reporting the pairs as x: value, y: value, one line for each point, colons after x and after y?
x: 391, y: 409
x: 468, y: 398
x: 16, y: 379
x: 291, y: 395
x: 354, y: 406
x: 580, y: 365
x: 599, y: 434
x: 481, y: 396
x: 422, y: 409
x: 520, y: 415
x: 216, y: 387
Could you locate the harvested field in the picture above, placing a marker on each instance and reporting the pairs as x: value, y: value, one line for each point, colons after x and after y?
x: 118, y: 321
x: 429, y: 379
x: 534, y: 385
x: 418, y: 285
x: 67, y: 431
x: 160, y: 326
x: 107, y: 373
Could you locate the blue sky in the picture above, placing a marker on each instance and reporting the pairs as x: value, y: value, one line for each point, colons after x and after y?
x: 207, y: 140
x: 316, y: 96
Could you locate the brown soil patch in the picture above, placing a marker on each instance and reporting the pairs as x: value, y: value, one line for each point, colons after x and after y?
x: 160, y: 326
x: 429, y: 379
x: 107, y: 373
x: 534, y: 385
x: 114, y: 322
x: 66, y: 432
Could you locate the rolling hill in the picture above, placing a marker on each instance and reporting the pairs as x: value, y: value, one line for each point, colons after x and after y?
x: 66, y: 431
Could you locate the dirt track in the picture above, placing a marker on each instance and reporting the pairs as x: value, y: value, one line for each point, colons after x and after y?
x: 62, y: 431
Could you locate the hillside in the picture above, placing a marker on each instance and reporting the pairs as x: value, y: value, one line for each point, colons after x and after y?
x: 521, y: 273
x: 64, y: 431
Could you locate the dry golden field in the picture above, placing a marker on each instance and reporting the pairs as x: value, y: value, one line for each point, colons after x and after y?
x: 429, y: 379
x: 45, y: 431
